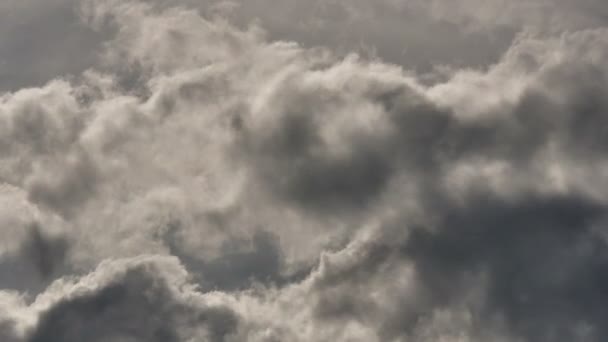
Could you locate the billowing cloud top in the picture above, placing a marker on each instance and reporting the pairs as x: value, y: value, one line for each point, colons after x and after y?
x: 321, y: 170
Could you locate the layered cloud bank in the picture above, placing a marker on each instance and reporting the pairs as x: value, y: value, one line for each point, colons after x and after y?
x: 196, y: 179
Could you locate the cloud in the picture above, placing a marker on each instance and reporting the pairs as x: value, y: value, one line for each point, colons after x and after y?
x: 144, y: 298
x: 203, y: 181
x: 541, y: 259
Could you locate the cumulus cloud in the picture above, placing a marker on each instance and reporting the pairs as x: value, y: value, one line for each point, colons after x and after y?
x: 203, y: 181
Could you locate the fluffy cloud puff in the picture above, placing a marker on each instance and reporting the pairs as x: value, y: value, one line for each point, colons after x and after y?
x: 215, y: 185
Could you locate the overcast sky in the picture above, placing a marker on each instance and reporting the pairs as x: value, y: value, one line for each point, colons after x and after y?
x: 303, y: 170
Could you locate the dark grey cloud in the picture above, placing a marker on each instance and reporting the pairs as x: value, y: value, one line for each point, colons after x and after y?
x: 541, y: 258
x: 135, y: 304
x: 239, y: 265
x: 40, y: 258
x: 295, y: 162
x: 528, y: 270
x: 45, y: 253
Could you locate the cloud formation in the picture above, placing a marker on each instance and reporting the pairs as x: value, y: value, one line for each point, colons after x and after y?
x: 199, y: 180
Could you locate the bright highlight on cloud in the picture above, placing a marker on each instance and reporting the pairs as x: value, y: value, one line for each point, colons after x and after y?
x: 207, y: 171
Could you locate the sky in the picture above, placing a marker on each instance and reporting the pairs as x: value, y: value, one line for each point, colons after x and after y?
x: 303, y: 170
